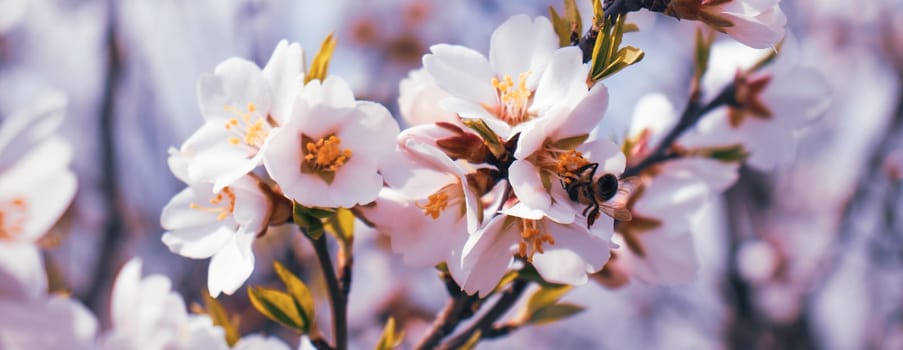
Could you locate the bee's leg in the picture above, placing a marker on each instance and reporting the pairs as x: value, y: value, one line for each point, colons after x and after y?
x: 593, y: 215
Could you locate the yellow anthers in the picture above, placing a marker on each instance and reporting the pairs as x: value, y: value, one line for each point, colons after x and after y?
x: 513, y: 98
x: 12, y: 218
x: 436, y: 203
x: 326, y: 154
x: 223, y: 204
x: 532, y: 239
x: 248, y: 128
x: 568, y: 162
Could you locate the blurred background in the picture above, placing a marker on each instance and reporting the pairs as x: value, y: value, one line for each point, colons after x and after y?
x: 807, y: 256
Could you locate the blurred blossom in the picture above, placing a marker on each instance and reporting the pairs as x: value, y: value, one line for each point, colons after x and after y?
x: 11, y: 12
x: 146, y: 314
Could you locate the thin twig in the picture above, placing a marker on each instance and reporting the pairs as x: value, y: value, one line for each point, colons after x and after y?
x: 486, y: 323
x: 103, y: 269
x: 691, y: 115
x: 459, y: 308
x: 337, y: 298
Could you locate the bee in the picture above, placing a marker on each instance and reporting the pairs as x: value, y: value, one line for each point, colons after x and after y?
x: 606, y: 194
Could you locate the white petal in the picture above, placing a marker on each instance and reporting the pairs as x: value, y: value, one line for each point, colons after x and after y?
x: 520, y: 45
x: 461, y: 72
x: 563, y: 81
x: 22, y: 272
x: 487, y: 255
x: 199, y: 242
x: 232, y: 266
x: 236, y: 83
x: 574, y: 254
x: 282, y: 71
x: 527, y: 185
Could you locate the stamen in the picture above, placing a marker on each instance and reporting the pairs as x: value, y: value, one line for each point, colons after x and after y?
x: 513, y: 98
x: 222, y: 211
x: 13, y: 215
x: 248, y: 128
x: 436, y: 203
x: 532, y: 239
x: 326, y: 155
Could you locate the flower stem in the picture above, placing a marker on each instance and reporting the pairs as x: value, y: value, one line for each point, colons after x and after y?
x: 691, y: 115
x: 485, y: 323
x: 337, y: 297
x: 460, y: 307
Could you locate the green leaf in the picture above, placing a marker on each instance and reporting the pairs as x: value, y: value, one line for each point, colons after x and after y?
x: 728, y: 154
x: 631, y: 28
x: 304, y: 300
x: 626, y: 57
x: 767, y: 58
x: 319, y: 67
x: 310, y: 220
x: 277, y: 306
x: 570, y: 143
x: 569, y: 25
x: 554, y: 313
x: 507, y: 278
x: 390, y: 338
x: 472, y: 342
x: 490, y: 138
x: 702, y: 53
x: 545, y: 296
x: 341, y: 224
x: 220, y: 318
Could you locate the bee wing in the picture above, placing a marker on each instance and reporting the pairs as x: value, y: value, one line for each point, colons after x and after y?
x: 617, y: 207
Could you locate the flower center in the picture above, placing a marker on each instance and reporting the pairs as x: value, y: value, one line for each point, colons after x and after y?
x: 248, y: 128
x: 12, y: 217
x: 532, y: 238
x: 326, y: 154
x: 514, y: 98
x: 323, y: 156
x: 223, y: 204
x: 436, y: 203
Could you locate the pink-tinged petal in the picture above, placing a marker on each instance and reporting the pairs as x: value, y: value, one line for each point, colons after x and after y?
x: 523, y: 211
x: 575, y: 253
x: 177, y: 214
x: 374, y: 131
x: 716, y: 174
x: 356, y: 183
x: 797, y: 95
x: 22, y: 272
x: 653, y: 112
x: 586, y: 115
x: 252, y: 207
x: 770, y: 146
x: 670, y: 257
x: 126, y: 289
x: 26, y: 128
x: 333, y: 92
x: 285, y: 74
x: 527, y: 185
x: 609, y: 156
x: 761, y: 30
x: 563, y: 82
x: 673, y: 198
x: 486, y: 256
x: 520, y: 45
x: 259, y: 342
x: 533, y: 134
x: 235, y: 82
x: 198, y: 242
x: 408, y: 174
x: 418, y: 100
x: 42, y: 181
x: 54, y: 323
x: 231, y: 266
x: 461, y: 72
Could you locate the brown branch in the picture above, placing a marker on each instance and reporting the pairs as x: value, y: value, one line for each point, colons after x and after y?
x: 486, y: 323
x: 337, y: 297
x: 459, y: 308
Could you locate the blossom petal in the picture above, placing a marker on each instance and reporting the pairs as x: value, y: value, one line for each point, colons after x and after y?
x: 231, y: 267
x: 461, y: 72
x: 574, y: 254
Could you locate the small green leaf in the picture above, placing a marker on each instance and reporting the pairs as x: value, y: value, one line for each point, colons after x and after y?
x: 626, y: 57
x: 304, y: 300
x: 220, y: 318
x: 728, y: 154
x: 545, y: 296
x: 554, y: 313
x: 310, y: 220
x: 341, y: 224
x: 277, y: 306
x: 472, y: 342
x: 631, y: 28
x: 319, y: 67
x: 562, y: 28
x: 767, y: 58
x: 490, y: 138
x: 507, y: 278
x: 703, y: 50
x: 570, y: 143
x: 390, y: 338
